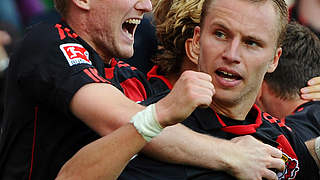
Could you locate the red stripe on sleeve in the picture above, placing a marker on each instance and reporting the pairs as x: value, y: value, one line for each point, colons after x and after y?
x: 95, y: 73
x: 91, y: 75
x: 61, y: 32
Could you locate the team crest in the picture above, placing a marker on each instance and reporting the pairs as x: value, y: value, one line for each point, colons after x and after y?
x: 291, y: 170
x: 75, y: 54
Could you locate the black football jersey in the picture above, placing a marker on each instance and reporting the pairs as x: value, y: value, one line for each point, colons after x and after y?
x: 39, y: 133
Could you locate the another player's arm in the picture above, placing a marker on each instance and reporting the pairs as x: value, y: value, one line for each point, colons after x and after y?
x: 104, y: 158
x: 312, y: 147
x: 243, y: 158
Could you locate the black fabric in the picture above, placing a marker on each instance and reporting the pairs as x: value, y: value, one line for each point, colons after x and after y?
x: 39, y: 133
x: 265, y: 128
x: 299, y: 163
x: 305, y: 121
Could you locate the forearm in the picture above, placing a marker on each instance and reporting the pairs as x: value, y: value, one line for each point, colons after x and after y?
x: 243, y: 158
x: 178, y: 144
x: 312, y: 150
x: 104, y: 158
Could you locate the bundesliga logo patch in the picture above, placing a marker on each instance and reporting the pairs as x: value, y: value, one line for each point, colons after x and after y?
x: 75, y: 54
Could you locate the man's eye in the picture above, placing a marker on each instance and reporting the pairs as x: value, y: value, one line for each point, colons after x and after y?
x: 220, y: 35
x: 251, y: 43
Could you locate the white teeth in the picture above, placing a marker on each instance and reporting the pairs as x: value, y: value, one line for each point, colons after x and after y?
x: 133, y: 21
x: 225, y: 73
x: 228, y: 79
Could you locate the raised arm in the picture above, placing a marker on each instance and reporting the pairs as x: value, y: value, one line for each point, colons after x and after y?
x: 104, y: 109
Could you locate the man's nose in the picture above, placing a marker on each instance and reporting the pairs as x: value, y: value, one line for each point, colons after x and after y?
x: 232, y: 51
x: 144, y: 5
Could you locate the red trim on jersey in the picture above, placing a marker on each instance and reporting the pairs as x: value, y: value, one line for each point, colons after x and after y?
x: 113, y: 62
x: 244, y: 129
x: 300, y: 109
x: 95, y: 73
x: 61, y: 32
x: 122, y: 64
x: 272, y: 119
x: 90, y: 75
x: 153, y: 73
x: 109, y: 71
x: 134, y: 89
x: 220, y: 120
x: 34, y: 139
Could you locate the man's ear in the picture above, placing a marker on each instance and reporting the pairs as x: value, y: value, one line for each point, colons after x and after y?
x: 274, y: 63
x: 190, y: 51
x: 196, y: 41
x: 83, y: 4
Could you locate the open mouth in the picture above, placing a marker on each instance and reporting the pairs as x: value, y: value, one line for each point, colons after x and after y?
x: 228, y: 76
x: 130, y: 25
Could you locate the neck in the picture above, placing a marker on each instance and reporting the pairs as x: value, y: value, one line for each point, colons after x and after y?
x: 79, y: 25
x: 285, y: 107
x: 235, y: 110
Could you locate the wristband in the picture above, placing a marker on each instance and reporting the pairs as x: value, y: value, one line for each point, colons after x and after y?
x: 317, y: 147
x: 146, y: 123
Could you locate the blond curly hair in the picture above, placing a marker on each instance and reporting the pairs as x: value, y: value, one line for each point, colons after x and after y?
x: 175, y: 21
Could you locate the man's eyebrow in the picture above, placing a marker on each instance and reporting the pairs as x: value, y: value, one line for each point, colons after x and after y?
x: 219, y: 24
x: 254, y: 38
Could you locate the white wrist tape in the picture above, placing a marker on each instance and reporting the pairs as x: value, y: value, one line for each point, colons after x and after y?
x: 317, y: 147
x: 146, y: 123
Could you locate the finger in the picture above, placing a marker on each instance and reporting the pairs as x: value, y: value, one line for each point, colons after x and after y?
x: 314, y: 81
x: 269, y: 174
x: 274, y: 152
x: 203, y: 83
x: 311, y: 96
x: 310, y: 89
x: 278, y: 164
x: 204, y: 76
x: 205, y: 97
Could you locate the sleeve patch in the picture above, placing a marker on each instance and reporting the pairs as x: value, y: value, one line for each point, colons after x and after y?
x: 75, y: 54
